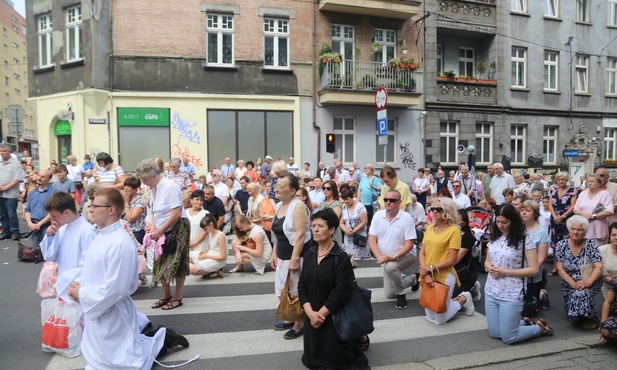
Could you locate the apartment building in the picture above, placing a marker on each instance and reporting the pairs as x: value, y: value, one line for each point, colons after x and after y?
x: 14, y: 82
x: 522, y: 80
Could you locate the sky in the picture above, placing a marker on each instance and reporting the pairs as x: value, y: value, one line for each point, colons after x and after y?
x: 20, y: 6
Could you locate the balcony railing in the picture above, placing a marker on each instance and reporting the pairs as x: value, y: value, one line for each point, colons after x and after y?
x: 398, y: 9
x: 363, y: 75
x: 469, y: 90
x: 475, y: 12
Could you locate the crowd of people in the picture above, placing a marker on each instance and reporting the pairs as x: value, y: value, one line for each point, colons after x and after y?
x: 292, y: 219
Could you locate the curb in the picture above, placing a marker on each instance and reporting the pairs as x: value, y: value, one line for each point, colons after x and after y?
x: 502, y: 355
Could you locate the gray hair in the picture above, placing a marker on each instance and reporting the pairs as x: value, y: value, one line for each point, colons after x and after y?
x: 146, y: 169
x: 562, y: 174
x: 208, y: 187
x: 7, y: 146
x: 580, y: 219
x: 176, y: 161
x: 279, y: 168
x: 597, y: 177
x: 497, y: 164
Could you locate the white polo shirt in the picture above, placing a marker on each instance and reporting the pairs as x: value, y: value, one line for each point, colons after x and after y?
x: 392, y: 235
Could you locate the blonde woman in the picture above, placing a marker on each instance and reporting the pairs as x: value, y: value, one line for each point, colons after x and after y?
x: 437, y: 257
x: 250, y: 245
x: 240, y: 169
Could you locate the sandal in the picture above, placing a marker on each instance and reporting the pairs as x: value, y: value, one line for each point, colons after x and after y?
x: 527, y: 321
x: 365, y: 342
x: 171, y: 305
x: 553, y: 273
x: 220, y: 273
x: 161, y: 302
x: 544, y: 328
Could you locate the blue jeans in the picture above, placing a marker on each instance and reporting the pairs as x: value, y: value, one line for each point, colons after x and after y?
x: 37, y: 236
x: 504, y: 321
x: 8, y: 216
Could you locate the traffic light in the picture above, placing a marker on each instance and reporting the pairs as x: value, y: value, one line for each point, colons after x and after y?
x: 330, y: 143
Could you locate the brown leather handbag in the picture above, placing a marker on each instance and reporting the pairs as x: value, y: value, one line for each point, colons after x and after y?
x: 434, y: 298
x: 289, y: 308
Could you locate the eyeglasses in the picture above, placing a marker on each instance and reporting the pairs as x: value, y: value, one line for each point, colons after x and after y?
x: 602, y: 175
x: 456, y: 186
x: 327, y: 188
x: 437, y: 209
x: 390, y: 200
x: 91, y: 199
x: 98, y: 206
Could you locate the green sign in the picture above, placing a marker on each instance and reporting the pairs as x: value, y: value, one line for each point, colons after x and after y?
x: 63, y: 128
x: 147, y: 117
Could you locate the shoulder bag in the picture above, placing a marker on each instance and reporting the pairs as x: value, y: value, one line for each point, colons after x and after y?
x: 355, y: 318
x: 531, y: 306
x: 289, y: 308
x: 266, y: 207
x: 434, y: 298
x: 359, y: 240
x: 586, y: 268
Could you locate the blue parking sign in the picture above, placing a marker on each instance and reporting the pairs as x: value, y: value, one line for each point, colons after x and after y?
x: 382, y: 127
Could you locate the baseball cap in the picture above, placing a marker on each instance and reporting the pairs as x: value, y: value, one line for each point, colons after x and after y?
x: 268, y: 157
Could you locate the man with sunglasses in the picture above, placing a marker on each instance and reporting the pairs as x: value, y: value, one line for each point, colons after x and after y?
x: 609, y: 186
x: 458, y: 196
x: 391, y: 238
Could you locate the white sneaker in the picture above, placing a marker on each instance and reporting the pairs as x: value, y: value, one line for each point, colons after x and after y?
x: 477, y: 292
x: 468, y: 305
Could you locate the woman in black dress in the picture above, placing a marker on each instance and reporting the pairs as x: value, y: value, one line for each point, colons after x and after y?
x: 323, y: 289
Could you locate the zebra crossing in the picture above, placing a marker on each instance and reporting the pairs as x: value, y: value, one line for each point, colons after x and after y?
x: 228, y: 323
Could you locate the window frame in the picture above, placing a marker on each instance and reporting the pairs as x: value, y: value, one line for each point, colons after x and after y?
x: 514, y: 6
x: 582, y: 11
x: 340, y: 134
x: 514, y: 148
x: 276, y: 35
x: 551, y: 65
x: 466, y: 61
x: 392, y: 140
x: 387, y: 38
x: 581, y: 69
x: 611, y: 69
x: 451, y: 139
x: 220, y: 31
x: 518, y: 60
x: 550, y: 139
x: 610, y: 143
x: 439, y: 57
x: 612, y: 13
x: 76, y: 26
x: 554, y: 4
x: 47, y: 34
x: 481, y: 136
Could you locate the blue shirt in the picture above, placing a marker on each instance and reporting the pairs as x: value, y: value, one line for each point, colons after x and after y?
x: 66, y: 186
x: 88, y: 166
x: 227, y: 170
x: 35, y: 204
x: 188, y: 169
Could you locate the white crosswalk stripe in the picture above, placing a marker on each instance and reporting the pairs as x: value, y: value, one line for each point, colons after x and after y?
x: 238, y: 309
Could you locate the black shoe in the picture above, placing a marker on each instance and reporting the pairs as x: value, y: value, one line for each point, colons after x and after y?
x: 416, y: 286
x: 15, y: 237
x: 173, y: 339
x: 401, y: 302
x: 4, y: 237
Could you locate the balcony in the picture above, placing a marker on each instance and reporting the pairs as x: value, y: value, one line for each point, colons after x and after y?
x: 354, y: 82
x: 466, y: 90
x: 477, y: 16
x: 397, y: 9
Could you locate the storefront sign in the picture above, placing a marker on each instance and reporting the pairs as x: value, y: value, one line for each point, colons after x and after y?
x: 65, y: 115
x: 63, y: 128
x: 570, y: 153
x: 97, y: 121
x: 147, y: 117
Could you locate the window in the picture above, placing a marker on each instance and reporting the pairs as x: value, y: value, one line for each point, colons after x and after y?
x: 439, y: 57
x: 344, y: 139
x: 6, y: 96
x: 582, y: 75
x: 612, y: 76
x: 551, y: 8
x: 28, y: 132
x: 276, y: 43
x: 390, y: 147
x: 16, y: 76
x: 3, y: 31
x: 550, y: 145
x: 612, y: 12
x: 484, y: 143
x: 6, y: 64
x: 45, y: 39
x: 5, y: 48
x: 582, y: 11
x: 343, y: 41
x: 13, y: 18
x: 517, y: 144
x: 610, y: 143
x: 15, y: 29
x: 519, y: 63
x: 551, y: 68
x: 17, y: 92
x: 15, y: 45
x: 519, y: 6
x: 6, y: 81
x: 465, y: 62
x: 220, y: 30
x: 448, y: 140
x: 387, y: 39
x: 73, y: 33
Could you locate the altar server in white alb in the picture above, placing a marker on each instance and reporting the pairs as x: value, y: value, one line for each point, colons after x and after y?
x: 112, y: 338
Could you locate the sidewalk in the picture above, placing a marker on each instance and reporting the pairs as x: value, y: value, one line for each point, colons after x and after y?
x: 583, y: 352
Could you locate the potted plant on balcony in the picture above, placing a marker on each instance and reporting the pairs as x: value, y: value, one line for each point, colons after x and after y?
x: 480, y: 67
x: 394, y: 62
x: 335, y: 58
x: 449, y: 74
x: 610, y: 161
x: 404, y: 50
x: 376, y: 47
x: 410, y: 64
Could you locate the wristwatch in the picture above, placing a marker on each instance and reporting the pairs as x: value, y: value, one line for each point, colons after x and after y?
x: 396, y: 257
x: 593, y: 216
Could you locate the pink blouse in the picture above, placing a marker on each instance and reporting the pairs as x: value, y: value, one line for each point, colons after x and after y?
x: 598, y: 229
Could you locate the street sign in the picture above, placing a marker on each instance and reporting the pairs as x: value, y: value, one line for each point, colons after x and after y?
x: 382, y: 127
x: 381, y: 98
x: 570, y: 153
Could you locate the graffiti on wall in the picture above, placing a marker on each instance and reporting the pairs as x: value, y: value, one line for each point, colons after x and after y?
x: 185, y: 152
x: 186, y: 129
x: 406, y: 157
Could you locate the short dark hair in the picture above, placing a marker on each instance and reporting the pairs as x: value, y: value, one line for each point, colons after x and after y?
x: 132, y: 182
x: 197, y: 194
x: 388, y: 171
x: 104, y: 157
x: 294, y: 183
x: 114, y: 197
x: 60, y: 202
x: 251, y: 163
x: 328, y: 215
x: 61, y: 168
x: 245, y: 178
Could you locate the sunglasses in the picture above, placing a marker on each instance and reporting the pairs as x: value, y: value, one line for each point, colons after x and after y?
x: 327, y: 188
x: 437, y: 209
x: 390, y: 200
x: 456, y: 186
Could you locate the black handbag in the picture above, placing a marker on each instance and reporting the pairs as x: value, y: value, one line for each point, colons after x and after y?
x: 463, y: 272
x: 355, y: 318
x: 359, y: 240
x: 531, y: 306
x: 79, y: 185
x: 171, y: 240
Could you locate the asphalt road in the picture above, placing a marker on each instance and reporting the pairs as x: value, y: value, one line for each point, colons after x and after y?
x: 223, y: 333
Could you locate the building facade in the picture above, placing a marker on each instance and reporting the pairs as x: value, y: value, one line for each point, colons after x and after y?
x: 14, y: 82
x: 519, y: 80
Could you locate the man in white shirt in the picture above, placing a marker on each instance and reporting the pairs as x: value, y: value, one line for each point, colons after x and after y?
x: 500, y: 181
x: 316, y: 195
x: 220, y: 188
x: 292, y: 167
x: 468, y: 183
x: 111, y: 338
x: 321, y: 170
x: 391, y: 239
x: 459, y: 197
x: 419, y: 218
x: 342, y: 175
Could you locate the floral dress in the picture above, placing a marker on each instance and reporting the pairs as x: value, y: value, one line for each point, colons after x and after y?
x: 352, y: 219
x: 561, y: 205
x: 579, y: 304
x: 338, y: 235
x: 611, y: 323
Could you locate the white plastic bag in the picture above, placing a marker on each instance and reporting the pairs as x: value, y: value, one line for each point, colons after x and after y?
x: 62, y: 330
x: 46, y: 286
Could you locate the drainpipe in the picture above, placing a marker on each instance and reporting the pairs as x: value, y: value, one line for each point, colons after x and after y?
x: 314, y: 74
